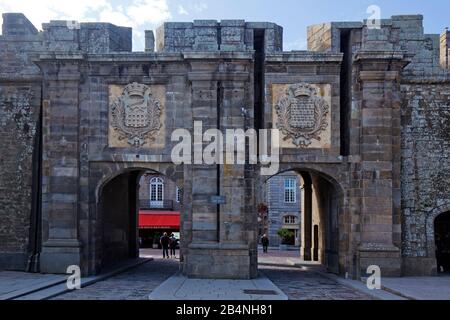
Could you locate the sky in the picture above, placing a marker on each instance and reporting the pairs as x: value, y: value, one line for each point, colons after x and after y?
x: 293, y: 15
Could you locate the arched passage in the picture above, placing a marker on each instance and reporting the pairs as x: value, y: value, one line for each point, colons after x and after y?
x: 119, y: 209
x: 442, y: 241
x: 116, y: 235
x: 320, y: 207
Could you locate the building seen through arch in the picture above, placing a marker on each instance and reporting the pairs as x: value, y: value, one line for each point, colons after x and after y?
x: 283, y: 199
x: 159, y: 209
x: 135, y: 208
x: 305, y: 204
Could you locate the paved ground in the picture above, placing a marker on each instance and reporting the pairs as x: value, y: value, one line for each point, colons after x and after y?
x: 275, y: 253
x: 182, y: 288
x: 138, y: 283
x: 15, y: 283
x: 275, y: 256
x: 300, y: 284
x: 420, y: 288
x: 135, y: 284
x: 296, y: 283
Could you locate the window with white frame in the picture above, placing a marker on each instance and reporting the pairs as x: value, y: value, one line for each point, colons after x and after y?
x: 157, y: 192
x: 290, y: 220
x: 290, y: 191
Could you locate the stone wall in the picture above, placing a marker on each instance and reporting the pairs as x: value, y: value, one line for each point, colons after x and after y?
x: 319, y: 37
x: 211, y: 35
x: 20, y: 108
x: 20, y: 100
x: 444, y: 49
x: 425, y: 171
x: 19, y: 112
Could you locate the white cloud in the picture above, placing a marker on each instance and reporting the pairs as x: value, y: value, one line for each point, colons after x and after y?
x: 138, y: 14
x: 152, y: 11
x: 116, y: 17
x: 182, y: 11
x: 45, y: 10
x: 299, y: 44
x: 200, y: 7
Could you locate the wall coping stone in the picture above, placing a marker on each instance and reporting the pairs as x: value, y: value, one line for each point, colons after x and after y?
x: 305, y: 56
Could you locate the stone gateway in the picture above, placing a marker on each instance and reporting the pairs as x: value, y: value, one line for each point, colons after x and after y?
x: 364, y: 117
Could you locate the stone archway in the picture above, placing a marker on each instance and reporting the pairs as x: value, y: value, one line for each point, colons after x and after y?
x: 114, y: 220
x: 118, y: 219
x: 442, y: 242
x: 324, y: 232
x: 431, y: 220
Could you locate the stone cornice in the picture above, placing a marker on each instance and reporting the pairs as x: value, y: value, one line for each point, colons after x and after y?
x: 5, y: 79
x: 378, y: 75
x: 220, y: 76
x: 218, y: 55
x: 305, y: 57
x: 362, y: 55
x: 61, y: 56
x: 139, y: 57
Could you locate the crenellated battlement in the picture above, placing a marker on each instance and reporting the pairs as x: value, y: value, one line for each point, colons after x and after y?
x: 65, y: 35
x: 212, y: 35
x: 405, y: 33
x: 17, y: 25
x: 200, y: 35
x: 445, y: 49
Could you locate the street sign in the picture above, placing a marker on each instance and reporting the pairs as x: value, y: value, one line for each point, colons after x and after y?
x: 218, y: 200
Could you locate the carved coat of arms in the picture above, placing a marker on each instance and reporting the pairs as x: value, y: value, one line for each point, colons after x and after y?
x: 302, y: 114
x: 136, y: 114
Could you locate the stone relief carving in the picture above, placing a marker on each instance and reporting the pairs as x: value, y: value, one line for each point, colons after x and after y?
x: 136, y: 114
x: 302, y: 114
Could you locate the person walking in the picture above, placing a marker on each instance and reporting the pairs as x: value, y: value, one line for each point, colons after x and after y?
x: 165, y: 241
x: 173, y: 246
x: 265, y: 243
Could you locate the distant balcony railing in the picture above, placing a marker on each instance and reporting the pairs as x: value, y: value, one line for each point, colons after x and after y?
x: 147, y: 204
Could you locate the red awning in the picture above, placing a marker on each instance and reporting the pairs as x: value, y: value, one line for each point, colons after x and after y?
x: 159, y: 220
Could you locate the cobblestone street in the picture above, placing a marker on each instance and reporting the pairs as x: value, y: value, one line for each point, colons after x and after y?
x: 135, y: 284
x: 139, y: 282
x: 299, y: 284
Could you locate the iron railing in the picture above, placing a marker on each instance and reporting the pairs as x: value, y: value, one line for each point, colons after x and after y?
x: 147, y: 204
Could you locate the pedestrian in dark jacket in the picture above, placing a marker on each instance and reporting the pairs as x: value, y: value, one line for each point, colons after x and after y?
x: 173, y: 246
x: 265, y: 243
x: 165, y: 241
